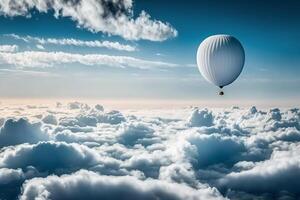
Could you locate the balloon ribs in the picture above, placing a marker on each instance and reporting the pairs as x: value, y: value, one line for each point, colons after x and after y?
x: 220, y: 59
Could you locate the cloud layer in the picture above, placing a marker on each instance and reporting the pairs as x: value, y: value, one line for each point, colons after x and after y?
x: 111, y: 17
x: 74, y: 150
x: 110, y: 187
x: 40, y: 59
x: 8, y: 48
x: 70, y: 42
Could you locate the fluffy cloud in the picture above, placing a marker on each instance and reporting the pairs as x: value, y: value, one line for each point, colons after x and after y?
x: 204, y: 150
x: 8, y: 48
x: 148, y: 163
x: 280, y: 173
x: 92, y: 118
x: 21, y: 131
x: 111, y: 17
x: 75, y: 105
x: 201, y: 118
x: 50, y: 119
x: 10, y: 182
x: 85, y: 120
x: 84, y: 183
x: 111, y: 117
x: 50, y: 59
x: 73, y: 42
x: 180, y: 173
x: 242, y: 153
x: 99, y: 107
x: 135, y: 133
x: 10, y: 175
x: 49, y: 157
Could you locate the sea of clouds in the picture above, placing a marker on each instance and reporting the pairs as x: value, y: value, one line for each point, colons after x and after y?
x: 83, y: 151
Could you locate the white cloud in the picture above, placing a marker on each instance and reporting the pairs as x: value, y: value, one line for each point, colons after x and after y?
x: 77, y: 105
x: 9, y: 175
x: 201, y: 118
x: 243, y: 153
x: 205, y: 150
x: 111, y: 117
x: 135, y: 133
x: 95, y: 43
x: 280, y: 172
x: 95, y: 186
x: 50, y: 119
x: 86, y: 120
x: 73, y: 42
x: 41, y: 47
x: 180, y: 173
x: 17, y: 37
x: 50, y: 157
x: 99, y: 107
x: 27, y: 72
x: 50, y: 59
x: 8, y: 48
x: 21, y: 131
x: 111, y: 17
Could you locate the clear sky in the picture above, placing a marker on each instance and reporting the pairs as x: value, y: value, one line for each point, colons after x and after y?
x: 145, y: 49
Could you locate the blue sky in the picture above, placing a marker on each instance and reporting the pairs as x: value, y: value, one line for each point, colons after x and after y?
x: 166, y: 65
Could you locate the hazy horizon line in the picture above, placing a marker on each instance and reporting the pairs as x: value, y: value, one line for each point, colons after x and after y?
x: 140, y: 103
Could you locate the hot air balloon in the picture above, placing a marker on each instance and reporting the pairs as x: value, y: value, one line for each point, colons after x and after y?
x: 220, y: 59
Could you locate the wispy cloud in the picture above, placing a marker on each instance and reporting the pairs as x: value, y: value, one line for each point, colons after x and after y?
x: 16, y: 72
x: 41, y: 47
x: 110, y: 17
x: 8, y: 48
x: 191, y: 65
x: 50, y: 59
x: 74, y: 42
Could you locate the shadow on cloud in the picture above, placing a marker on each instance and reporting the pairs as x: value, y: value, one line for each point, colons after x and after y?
x: 77, y: 150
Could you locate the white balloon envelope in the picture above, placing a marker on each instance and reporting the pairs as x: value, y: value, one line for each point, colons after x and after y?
x: 220, y: 59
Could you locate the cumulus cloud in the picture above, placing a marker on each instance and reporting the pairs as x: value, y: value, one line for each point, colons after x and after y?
x: 280, y: 173
x: 179, y: 173
x: 201, y: 118
x: 239, y: 153
x: 79, y: 121
x: 50, y: 119
x: 10, y: 182
x: 84, y: 183
x: 111, y: 17
x: 204, y: 150
x: 111, y: 117
x: 21, y: 131
x: 91, y: 118
x: 74, y: 105
x: 49, y: 157
x: 73, y: 42
x: 86, y: 120
x: 8, y: 48
x: 50, y: 59
x: 135, y: 133
x: 10, y: 175
x: 99, y: 107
